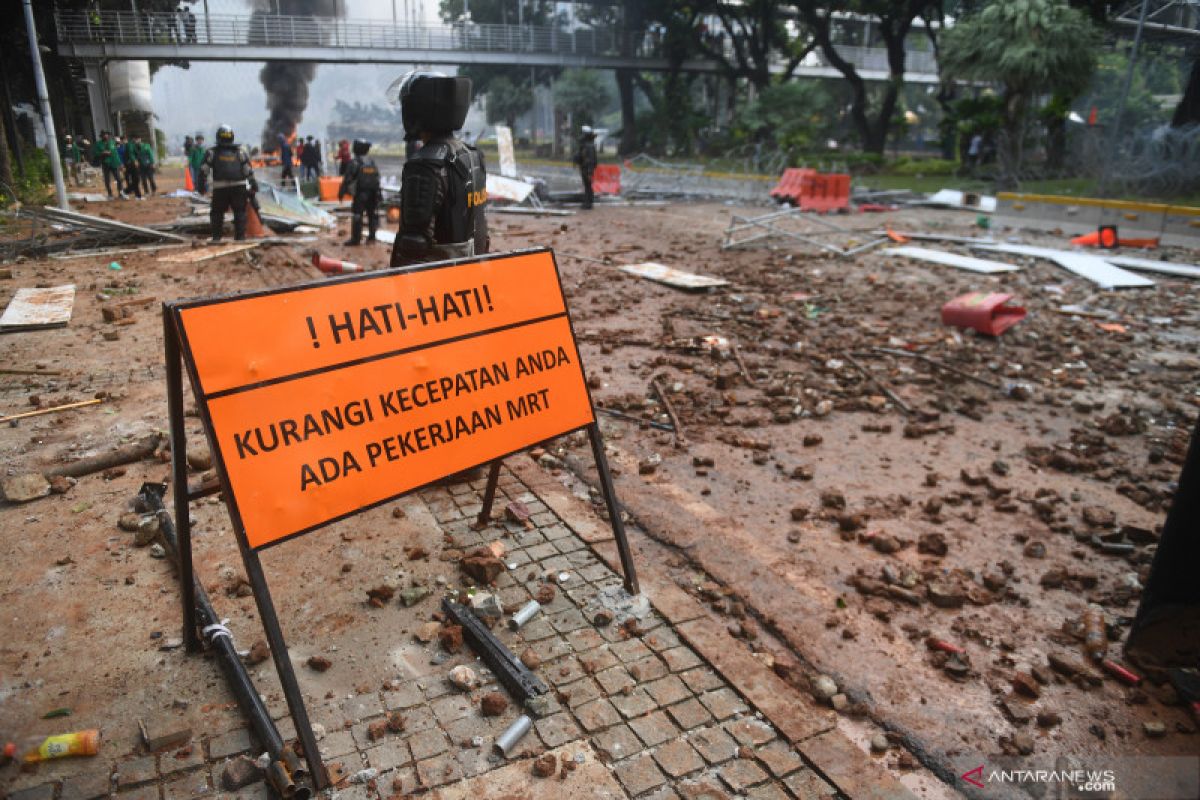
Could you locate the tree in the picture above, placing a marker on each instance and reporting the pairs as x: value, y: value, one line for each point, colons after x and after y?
x: 894, y: 20
x: 793, y: 116
x: 757, y: 31
x: 507, y: 101
x: 1032, y: 47
x: 583, y: 94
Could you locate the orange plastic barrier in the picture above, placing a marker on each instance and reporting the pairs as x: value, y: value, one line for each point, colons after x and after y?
x: 825, y: 192
x: 790, y: 186
x: 606, y: 179
x: 328, y: 187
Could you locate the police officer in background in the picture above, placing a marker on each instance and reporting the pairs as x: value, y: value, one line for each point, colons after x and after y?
x: 585, y: 157
x: 232, y: 180
x: 361, y: 182
x: 444, y: 183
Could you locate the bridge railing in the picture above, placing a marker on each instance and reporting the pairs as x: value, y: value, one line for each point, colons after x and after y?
x: 273, y: 30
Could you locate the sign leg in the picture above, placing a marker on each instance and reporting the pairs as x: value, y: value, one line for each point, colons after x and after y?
x: 283, y: 665
x: 614, y: 510
x: 179, y: 486
x: 489, y: 494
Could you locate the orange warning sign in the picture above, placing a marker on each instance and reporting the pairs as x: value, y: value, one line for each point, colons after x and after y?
x: 325, y: 399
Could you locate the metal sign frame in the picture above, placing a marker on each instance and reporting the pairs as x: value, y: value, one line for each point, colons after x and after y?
x: 177, y: 359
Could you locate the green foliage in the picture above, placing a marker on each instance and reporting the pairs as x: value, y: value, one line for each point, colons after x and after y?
x: 37, y: 185
x: 582, y: 93
x: 923, y: 166
x: 793, y: 115
x: 507, y: 101
x: 972, y: 115
x: 1031, y: 46
x: 1141, y: 109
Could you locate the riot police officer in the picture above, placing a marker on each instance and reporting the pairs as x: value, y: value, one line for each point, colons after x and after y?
x: 361, y: 182
x: 232, y: 182
x: 585, y: 158
x: 444, y: 183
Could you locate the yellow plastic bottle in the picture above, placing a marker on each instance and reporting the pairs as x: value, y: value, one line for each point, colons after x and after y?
x: 44, y: 748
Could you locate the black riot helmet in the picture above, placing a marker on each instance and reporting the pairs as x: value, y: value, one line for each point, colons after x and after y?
x: 361, y: 147
x: 433, y: 102
x: 224, y: 135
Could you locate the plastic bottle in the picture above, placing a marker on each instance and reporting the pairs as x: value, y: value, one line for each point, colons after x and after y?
x: 1095, y: 638
x: 43, y: 748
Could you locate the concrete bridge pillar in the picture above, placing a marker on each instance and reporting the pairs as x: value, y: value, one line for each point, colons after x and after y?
x: 97, y: 87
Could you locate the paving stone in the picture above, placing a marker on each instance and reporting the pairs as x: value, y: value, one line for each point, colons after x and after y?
x: 558, y: 564
x: 528, y: 539
x: 648, y: 669
x: 750, y: 731
x: 439, y: 771
x: 614, y: 680
x: 138, y: 770
x: 452, y: 707
x: 44, y: 791
x: 598, y: 660
x: 634, y: 704
x: 147, y: 792
x: 723, y: 703
x: 640, y: 774
x: 616, y: 743
x: 541, y: 551
x: 86, y: 787
x: 680, y: 658
x: 780, y: 758
x: 537, y: 630
x: 585, y: 639
x: 767, y: 791
x: 741, y: 774
x: 563, y: 671
x: 678, y: 758
x: 401, y: 782
x: 569, y: 620
x: 558, y: 729
x: 181, y: 759
x: 596, y: 572
x: 654, y: 728
x: 702, y: 680
x: 664, y: 793
x: 808, y: 785
x: 689, y: 714
x: 389, y: 755
x: 186, y: 787
x: 552, y: 649
x: 406, y: 695
x: 419, y: 718
x: 230, y: 744
x: 596, y: 715
x: 580, y: 692
x: 668, y: 690
x: 630, y: 650
x: 583, y: 558
x: 473, y: 761
x: 427, y: 744
x: 439, y: 686
x: 661, y: 640
x: 337, y: 744
x: 357, y: 791
x: 556, y: 531
x: 714, y: 744
x: 704, y: 787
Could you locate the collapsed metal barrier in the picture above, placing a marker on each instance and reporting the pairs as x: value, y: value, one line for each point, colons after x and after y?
x: 799, y: 226
x: 286, y: 771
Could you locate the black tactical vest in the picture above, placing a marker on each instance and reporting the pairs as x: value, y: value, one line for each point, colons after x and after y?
x: 227, y: 163
x: 367, y: 179
x: 466, y: 189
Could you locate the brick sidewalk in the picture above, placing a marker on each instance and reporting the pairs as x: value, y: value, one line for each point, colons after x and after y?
x: 644, y: 715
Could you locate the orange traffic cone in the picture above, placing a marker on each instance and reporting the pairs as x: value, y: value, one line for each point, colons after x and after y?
x: 254, y: 226
x: 187, y: 179
x: 331, y: 266
x: 1087, y: 240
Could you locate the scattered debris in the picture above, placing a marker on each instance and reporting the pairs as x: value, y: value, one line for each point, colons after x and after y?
x: 38, y: 309
x: 952, y: 260
x: 672, y: 277
x: 463, y: 678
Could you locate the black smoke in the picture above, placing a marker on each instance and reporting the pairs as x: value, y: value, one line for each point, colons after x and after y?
x: 299, y: 22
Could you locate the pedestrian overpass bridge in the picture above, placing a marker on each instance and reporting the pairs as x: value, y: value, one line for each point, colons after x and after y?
x: 99, y: 36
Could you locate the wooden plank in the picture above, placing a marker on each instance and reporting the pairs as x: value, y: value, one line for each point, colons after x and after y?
x: 34, y: 309
x: 205, y: 253
x: 952, y: 259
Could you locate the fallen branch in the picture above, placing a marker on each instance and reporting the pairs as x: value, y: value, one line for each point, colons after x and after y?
x: 939, y: 365
x: 143, y: 448
x: 903, y: 406
x: 680, y: 439
x: 50, y: 410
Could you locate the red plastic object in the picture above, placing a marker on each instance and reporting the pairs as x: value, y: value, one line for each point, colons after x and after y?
x: 606, y: 179
x: 790, y: 186
x: 986, y: 313
x: 331, y: 266
x: 825, y: 192
x: 1119, y: 672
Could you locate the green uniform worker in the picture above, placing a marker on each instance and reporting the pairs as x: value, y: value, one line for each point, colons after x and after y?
x: 71, y: 158
x: 195, y: 159
x: 144, y: 154
x: 105, y: 152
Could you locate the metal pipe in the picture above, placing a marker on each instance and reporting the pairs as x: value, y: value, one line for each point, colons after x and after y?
x: 39, y: 76
x: 506, y: 741
x: 525, y: 614
x: 221, y: 643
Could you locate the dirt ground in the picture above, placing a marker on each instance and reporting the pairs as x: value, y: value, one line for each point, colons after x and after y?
x: 832, y: 533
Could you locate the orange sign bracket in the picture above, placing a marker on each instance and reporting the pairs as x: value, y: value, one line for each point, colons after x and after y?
x: 322, y: 400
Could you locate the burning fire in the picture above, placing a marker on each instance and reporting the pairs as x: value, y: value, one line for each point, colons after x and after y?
x: 270, y: 158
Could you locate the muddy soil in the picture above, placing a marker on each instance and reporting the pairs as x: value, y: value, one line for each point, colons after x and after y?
x: 978, y: 518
